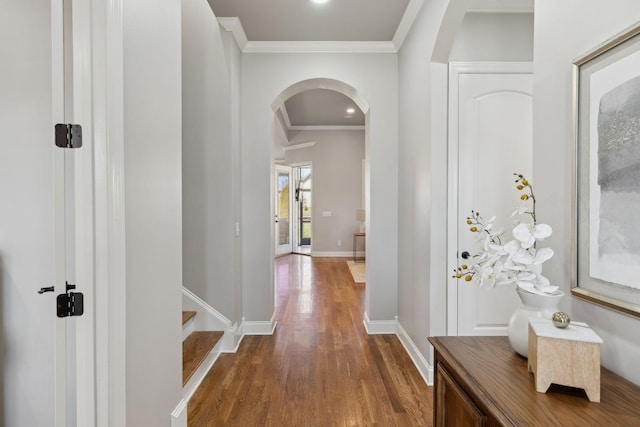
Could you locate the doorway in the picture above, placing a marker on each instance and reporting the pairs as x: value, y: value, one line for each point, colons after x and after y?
x: 490, y: 119
x: 302, y: 211
x: 283, y: 223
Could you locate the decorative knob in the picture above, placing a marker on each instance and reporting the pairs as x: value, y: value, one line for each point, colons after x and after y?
x: 560, y: 320
x: 465, y: 255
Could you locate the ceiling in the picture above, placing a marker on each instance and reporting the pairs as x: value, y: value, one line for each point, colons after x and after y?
x: 303, y: 20
x: 336, y: 26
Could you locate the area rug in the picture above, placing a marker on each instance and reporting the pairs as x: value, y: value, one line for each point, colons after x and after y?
x: 358, y: 271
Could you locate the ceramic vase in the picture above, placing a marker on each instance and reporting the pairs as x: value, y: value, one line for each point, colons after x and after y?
x: 533, y: 305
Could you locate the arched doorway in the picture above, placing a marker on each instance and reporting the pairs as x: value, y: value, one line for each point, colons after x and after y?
x: 349, y: 211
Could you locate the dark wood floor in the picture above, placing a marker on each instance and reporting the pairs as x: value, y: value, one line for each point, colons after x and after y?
x: 320, y: 368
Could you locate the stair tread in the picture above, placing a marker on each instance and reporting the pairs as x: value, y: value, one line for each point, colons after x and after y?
x: 195, y: 349
x: 187, y: 315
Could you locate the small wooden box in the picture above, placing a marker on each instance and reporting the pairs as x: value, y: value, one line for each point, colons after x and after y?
x: 569, y: 357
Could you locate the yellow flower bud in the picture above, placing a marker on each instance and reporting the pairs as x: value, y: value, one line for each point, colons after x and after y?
x: 458, y: 276
x: 469, y: 222
x: 473, y: 229
x: 464, y: 266
x: 467, y: 278
x: 520, y: 187
x: 524, y: 197
x: 525, y: 182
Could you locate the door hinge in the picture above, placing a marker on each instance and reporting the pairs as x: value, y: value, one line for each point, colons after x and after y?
x: 70, y: 303
x: 68, y: 135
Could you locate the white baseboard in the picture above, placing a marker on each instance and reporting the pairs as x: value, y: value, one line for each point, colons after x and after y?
x: 425, y: 369
x: 179, y: 415
x: 375, y: 327
x: 259, y: 327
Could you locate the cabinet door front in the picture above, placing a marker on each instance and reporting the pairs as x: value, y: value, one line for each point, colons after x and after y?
x: 453, y: 406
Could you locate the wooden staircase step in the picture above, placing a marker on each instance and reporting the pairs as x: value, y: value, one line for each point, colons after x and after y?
x: 195, y: 349
x: 187, y: 315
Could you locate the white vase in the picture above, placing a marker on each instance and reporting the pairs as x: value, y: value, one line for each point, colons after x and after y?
x: 533, y: 305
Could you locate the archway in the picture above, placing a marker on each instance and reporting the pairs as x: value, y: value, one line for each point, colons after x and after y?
x: 356, y: 98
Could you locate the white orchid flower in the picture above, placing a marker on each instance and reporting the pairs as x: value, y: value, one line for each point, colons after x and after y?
x: 542, y: 255
x: 527, y: 234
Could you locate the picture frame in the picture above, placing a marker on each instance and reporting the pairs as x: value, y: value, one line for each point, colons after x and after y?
x: 606, y: 205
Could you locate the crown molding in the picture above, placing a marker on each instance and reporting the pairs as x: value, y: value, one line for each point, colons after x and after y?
x: 501, y: 6
x: 235, y: 27
x: 298, y: 146
x: 319, y: 47
x: 410, y: 15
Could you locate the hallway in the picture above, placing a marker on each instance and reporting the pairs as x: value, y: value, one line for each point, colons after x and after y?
x: 320, y: 368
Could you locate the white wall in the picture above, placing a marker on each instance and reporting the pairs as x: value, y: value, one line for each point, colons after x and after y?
x: 422, y: 187
x: 442, y: 32
x: 264, y: 78
x: 336, y: 185
x: 494, y: 37
x: 210, y: 161
x: 563, y: 32
x: 153, y: 194
x: 27, y: 319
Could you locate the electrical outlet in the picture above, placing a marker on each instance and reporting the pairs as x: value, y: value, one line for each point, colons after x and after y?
x: 339, y: 242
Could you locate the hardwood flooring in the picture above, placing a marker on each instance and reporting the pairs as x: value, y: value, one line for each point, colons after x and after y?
x: 320, y: 368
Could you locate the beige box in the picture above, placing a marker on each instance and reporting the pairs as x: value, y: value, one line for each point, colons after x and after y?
x: 569, y: 357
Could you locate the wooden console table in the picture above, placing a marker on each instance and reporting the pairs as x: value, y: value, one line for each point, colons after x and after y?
x: 481, y: 381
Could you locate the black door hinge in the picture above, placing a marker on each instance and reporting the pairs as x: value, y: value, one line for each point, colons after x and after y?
x: 70, y: 303
x: 68, y: 135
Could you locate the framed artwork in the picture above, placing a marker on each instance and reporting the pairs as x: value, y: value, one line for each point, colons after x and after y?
x: 607, y: 179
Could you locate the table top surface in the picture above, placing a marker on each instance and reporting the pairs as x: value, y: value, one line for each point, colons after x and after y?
x: 489, y: 370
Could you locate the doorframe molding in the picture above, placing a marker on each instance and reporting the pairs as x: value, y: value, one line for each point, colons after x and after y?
x: 100, y: 239
x: 456, y: 70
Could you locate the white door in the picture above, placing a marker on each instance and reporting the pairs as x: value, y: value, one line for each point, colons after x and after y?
x: 490, y: 139
x: 36, y: 369
x: 283, y: 193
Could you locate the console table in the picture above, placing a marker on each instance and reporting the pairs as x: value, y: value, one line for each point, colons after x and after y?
x: 481, y: 381
x: 355, y: 241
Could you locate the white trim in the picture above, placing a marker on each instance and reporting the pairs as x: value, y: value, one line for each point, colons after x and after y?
x: 319, y: 47
x: 179, y: 414
x: 232, y: 339
x: 456, y: 69
x: 285, y: 116
x: 425, y: 369
x: 328, y: 127
x: 199, y: 375
x: 377, y: 327
x: 410, y: 15
x: 259, y: 327
x: 58, y: 187
x: 338, y: 254
x: 87, y: 96
x: 298, y: 146
x: 501, y: 6
x: 110, y: 221
x: 235, y: 26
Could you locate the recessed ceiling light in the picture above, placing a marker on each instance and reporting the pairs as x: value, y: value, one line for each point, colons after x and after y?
x: 351, y: 110
x: 320, y: 1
